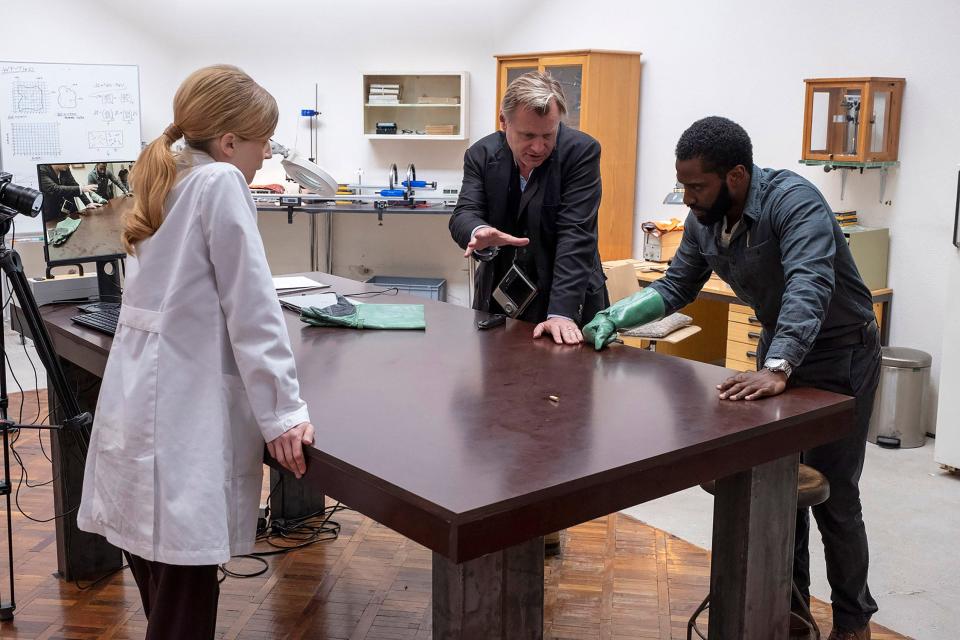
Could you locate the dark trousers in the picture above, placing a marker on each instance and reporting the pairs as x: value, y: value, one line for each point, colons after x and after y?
x: 854, y: 371
x: 179, y: 601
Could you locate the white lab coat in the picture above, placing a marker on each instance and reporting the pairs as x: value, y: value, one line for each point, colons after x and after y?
x: 200, y: 374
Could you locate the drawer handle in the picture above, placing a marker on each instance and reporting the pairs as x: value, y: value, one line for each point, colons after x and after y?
x: 752, y: 354
x: 753, y: 320
x: 753, y: 335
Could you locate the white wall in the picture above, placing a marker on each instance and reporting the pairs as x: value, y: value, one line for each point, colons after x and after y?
x: 746, y: 59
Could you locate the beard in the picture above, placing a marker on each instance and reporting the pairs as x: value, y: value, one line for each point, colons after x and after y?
x: 718, y: 210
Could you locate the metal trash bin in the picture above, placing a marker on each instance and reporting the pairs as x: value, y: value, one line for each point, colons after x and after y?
x: 899, y: 418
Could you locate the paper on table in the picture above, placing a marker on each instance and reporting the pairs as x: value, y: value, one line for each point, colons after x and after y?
x: 296, y: 282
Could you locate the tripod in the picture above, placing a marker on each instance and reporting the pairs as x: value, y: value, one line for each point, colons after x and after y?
x: 13, y: 268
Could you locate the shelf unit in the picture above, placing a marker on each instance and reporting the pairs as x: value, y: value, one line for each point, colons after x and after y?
x: 411, y: 115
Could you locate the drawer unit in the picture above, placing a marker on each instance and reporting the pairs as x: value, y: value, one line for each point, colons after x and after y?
x: 740, y: 356
x: 740, y: 313
x: 743, y: 334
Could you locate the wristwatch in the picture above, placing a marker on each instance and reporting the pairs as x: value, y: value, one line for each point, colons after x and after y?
x: 778, y: 364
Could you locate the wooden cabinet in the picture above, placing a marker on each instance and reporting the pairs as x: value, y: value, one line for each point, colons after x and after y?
x: 602, y: 89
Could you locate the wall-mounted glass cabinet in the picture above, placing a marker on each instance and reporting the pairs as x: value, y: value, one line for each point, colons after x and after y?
x: 852, y: 119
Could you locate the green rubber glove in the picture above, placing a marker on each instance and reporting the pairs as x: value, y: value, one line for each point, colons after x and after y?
x: 640, y: 308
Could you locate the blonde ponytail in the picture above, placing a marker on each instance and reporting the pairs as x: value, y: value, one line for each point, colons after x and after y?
x: 152, y: 177
x: 211, y: 102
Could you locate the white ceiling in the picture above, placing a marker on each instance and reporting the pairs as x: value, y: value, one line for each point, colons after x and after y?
x: 205, y: 23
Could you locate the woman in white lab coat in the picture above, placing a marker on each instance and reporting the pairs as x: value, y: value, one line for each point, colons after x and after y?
x: 201, y: 372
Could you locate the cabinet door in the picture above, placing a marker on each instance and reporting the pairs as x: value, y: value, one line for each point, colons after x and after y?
x: 570, y: 72
x: 509, y: 71
x: 835, y: 122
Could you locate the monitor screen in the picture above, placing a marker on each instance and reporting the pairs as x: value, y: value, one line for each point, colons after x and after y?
x: 83, y: 208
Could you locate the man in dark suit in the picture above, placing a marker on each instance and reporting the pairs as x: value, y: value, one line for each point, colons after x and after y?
x: 59, y: 189
x: 529, y: 198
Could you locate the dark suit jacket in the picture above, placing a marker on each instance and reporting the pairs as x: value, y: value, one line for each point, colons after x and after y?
x: 58, y: 189
x: 560, y: 202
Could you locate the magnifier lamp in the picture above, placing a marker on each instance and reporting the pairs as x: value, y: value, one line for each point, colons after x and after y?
x: 305, y: 173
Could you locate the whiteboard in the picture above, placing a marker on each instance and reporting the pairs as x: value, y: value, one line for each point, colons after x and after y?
x: 66, y: 113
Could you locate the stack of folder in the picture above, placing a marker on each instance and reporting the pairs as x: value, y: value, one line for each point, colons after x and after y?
x: 384, y: 94
x: 846, y: 218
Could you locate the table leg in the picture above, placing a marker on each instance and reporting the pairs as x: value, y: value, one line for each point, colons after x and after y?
x: 751, y: 573
x: 498, y: 596
x: 329, y: 239
x: 80, y: 555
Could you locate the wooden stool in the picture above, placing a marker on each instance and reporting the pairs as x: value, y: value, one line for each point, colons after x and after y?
x: 812, y: 489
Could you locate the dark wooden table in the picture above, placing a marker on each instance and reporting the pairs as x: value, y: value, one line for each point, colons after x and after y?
x: 450, y: 437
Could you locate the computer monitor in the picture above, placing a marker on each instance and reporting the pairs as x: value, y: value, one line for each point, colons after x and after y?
x: 83, y: 208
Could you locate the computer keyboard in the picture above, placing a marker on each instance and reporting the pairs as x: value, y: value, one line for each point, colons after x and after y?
x: 93, y: 307
x: 105, y: 320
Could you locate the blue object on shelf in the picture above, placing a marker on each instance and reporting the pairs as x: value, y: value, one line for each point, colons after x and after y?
x: 415, y: 183
x: 432, y: 288
x: 389, y: 193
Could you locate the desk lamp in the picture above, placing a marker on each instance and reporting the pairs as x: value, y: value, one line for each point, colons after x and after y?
x: 675, y: 196
x: 304, y: 172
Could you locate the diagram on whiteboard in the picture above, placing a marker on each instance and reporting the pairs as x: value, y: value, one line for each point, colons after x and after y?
x: 28, y: 97
x: 35, y: 139
x: 67, y: 98
x: 105, y: 139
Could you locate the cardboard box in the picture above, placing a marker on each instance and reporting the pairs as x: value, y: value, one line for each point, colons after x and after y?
x: 661, y: 246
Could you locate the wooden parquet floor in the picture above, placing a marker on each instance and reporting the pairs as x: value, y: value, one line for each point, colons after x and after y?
x: 617, y: 579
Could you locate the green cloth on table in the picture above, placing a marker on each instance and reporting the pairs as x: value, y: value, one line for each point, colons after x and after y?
x: 366, y: 316
x: 62, y: 232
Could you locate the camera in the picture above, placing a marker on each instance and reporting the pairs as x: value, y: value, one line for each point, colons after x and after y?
x: 16, y: 199
x: 515, y: 292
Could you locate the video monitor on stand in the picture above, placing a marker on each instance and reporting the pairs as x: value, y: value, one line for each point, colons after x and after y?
x: 83, y: 209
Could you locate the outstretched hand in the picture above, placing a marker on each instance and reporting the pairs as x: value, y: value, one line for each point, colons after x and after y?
x: 490, y: 237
